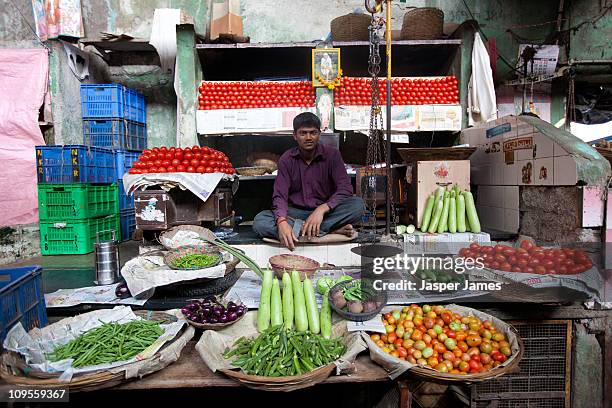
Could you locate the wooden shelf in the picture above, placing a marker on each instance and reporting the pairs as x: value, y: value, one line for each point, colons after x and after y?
x: 313, y: 44
x: 271, y: 177
x: 248, y: 61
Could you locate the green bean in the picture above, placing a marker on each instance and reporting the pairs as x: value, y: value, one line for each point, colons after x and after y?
x: 108, y: 343
x: 196, y: 261
x: 279, y: 351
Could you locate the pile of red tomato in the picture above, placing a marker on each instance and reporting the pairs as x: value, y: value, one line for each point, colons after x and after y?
x: 530, y: 258
x: 194, y: 159
x: 264, y: 94
x: 404, y: 91
x: 438, y: 338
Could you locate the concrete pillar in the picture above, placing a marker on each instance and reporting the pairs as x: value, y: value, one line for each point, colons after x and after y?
x: 188, y: 75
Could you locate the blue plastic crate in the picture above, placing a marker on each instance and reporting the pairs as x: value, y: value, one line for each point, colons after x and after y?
x: 103, y: 101
x: 114, y: 134
x: 21, y: 299
x: 58, y: 164
x: 135, y: 106
x: 128, y: 224
x: 123, y: 161
x: 126, y: 201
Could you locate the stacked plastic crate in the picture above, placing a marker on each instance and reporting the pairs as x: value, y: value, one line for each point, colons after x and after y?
x: 114, y: 117
x: 77, y: 197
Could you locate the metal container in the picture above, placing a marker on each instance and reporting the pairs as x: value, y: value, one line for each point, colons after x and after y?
x: 107, y: 260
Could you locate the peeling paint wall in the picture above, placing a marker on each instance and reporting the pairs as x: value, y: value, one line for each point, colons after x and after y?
x: 307, y: 20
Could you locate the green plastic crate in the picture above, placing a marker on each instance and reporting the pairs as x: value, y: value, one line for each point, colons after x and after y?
x: 76, y: 201
x: 75, y: 237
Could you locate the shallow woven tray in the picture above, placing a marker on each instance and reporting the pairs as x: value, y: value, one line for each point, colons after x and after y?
x: 11, y: 363
x: 252, y: 171
x: 431, y: 375
x: 203, y: 232
x: 283, y: 384
x: 288, y: 262
x: 213, y: 326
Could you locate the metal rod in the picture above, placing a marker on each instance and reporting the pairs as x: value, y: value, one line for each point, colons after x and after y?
x: 388, y: 141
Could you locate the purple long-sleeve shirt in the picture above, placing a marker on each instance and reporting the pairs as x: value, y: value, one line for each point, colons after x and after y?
x: 307, y: 186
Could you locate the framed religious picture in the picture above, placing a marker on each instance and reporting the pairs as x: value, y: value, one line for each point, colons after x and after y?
x: 326, y: 70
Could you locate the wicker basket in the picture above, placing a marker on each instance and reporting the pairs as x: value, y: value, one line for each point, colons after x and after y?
x: 424, y: 23
x: 169, y: 234
x: 285, y: 384
x: 288, y: 262
x: 14, y: 370
x: 351, y: 27
x: 252, y: 171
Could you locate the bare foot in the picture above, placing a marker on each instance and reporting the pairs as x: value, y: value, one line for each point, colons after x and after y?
x: 346, y: 230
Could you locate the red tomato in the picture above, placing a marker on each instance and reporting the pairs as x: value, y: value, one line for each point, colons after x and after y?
x: 188, y: 155
x: 516, y: 269
x: 499, y: 249
x: 505, y: 267
x: 474, y: 245
x: 200, y: 169
x: 533, y: 262
x: 500, y: 258
x: 161, y: 169
x: 152, y: 169
x: 157, y: 162
x: 529, y: 269
x: 494, y: 265
x: 194, y: 162
x: 166, y: 163
x: 180, y: 168
x: 540, y: 270
x: 169, y: 156
x: 209, y: 169
x: 170, y: 169
x: 512, y: 260
x: 548, y: 264
x: 175, y: 162
x: 215, y: 170
x: 526, y: 244
x: 190, y: 169
x: 487, y: 249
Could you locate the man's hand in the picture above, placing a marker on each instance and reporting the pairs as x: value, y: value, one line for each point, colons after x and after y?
x: 286, y: 235
x: 312, y: 226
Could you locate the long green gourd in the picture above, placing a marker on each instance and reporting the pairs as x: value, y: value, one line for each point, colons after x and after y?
x: 428, y: 210
x: 263, y: 313
x: 443, y: 224
x: 287, y: 301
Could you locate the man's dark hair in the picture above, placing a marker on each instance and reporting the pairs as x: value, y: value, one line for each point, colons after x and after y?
x: 306, y: 119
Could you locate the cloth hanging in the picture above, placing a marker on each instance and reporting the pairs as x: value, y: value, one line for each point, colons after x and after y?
x: 19, y: 131
x: 163, y: 36
x: 54, y: 18
x: 482, y: 104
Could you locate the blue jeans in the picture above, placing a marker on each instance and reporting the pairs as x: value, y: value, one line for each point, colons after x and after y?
x: 349, y: 211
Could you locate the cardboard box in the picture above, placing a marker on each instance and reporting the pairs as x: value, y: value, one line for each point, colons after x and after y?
x: 225, y: 18
x: 424, y: 177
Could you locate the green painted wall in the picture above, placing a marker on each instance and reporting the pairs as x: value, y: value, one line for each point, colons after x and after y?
x: 591, y: 40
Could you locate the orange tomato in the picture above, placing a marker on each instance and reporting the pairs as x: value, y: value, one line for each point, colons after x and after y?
x: 457, y: 352
x: 462, y: 345
x: 473, y: 340
x: 439, y: 347
x: 398, y: 343
x: 380, y: 343
x: 460, y: 336
x: 375, y: 337
x: 416, y: 335
x: 391, y: 337
x: 402, y: 352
